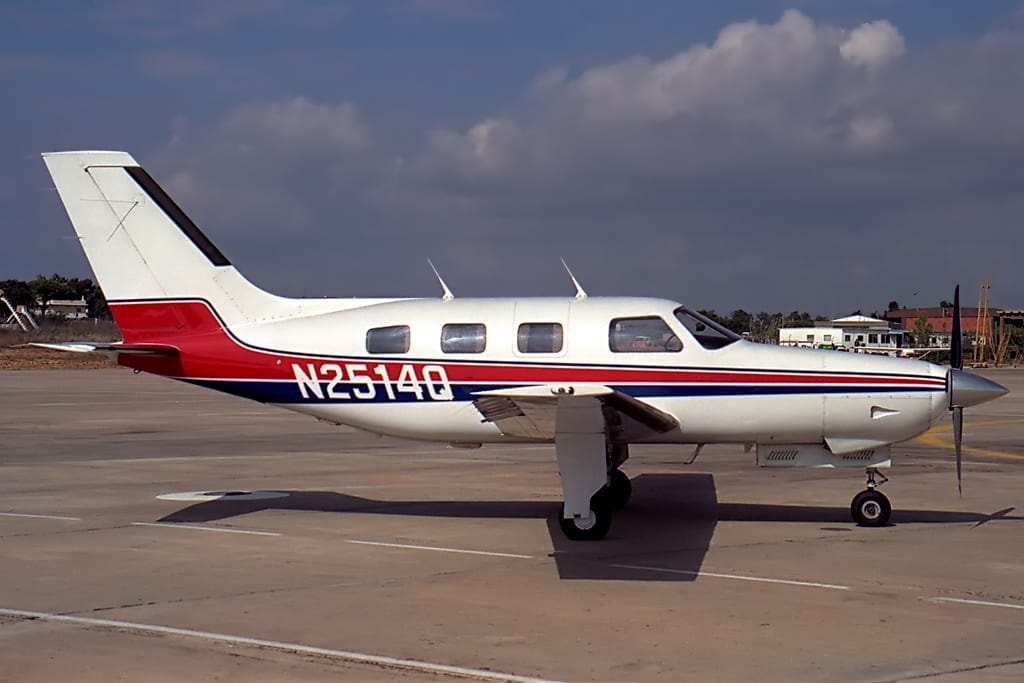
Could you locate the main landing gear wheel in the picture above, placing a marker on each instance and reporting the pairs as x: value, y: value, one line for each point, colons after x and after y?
x: 595, y: 526
x: 871, y: 508
x: 620, y: 488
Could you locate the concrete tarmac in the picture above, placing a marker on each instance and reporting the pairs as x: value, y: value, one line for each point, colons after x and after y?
x: 392, y: 560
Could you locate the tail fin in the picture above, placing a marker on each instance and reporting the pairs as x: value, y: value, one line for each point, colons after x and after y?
x: 141, y: 245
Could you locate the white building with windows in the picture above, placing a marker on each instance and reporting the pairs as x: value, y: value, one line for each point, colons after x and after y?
x: 72, y: 309
x: 811, y: 337
x: 856, y: 333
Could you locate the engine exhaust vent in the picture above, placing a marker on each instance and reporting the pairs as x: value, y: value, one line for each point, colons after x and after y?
x: 817, y: 455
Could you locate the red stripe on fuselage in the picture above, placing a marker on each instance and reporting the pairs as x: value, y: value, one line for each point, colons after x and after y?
x: 208, y: 351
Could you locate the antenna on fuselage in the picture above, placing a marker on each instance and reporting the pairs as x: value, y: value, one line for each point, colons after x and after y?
x: 446, y: 294
x: 580, y: 294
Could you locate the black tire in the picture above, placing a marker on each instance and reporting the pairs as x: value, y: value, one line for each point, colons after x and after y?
x: 871, y: 508
x: 593, y: 528
x: 620, y: 488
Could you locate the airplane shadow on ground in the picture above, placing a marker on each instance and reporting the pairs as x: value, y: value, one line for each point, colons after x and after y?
x: 671, y: 518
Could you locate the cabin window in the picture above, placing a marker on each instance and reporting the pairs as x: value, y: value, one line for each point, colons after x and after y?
x: 872, y: 339
x: 540, y: 338
x: 394, y: 339
x: 828, y: 337
x: 708, y: 333
x: 650, y: 334
x: 463, y: 338
x: 846, y: 337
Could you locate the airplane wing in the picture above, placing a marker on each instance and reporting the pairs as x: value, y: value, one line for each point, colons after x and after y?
x: 109, y: 347
x: 532, y: 412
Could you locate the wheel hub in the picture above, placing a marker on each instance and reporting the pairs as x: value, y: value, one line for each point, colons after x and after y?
x: 585, y: 523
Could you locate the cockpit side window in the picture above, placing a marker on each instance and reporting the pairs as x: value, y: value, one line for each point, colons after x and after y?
x: 708, y: 333
x: 649, y: 334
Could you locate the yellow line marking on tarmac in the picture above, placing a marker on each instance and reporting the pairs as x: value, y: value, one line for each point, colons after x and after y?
x: 936, y: 436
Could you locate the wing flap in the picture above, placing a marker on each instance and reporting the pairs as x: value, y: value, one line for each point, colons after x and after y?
x: 647, y: 415
x: 532, y: 411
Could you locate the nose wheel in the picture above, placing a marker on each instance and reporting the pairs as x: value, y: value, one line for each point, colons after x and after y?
x: 870, y: 507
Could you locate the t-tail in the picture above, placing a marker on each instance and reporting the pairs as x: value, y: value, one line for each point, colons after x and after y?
x: 145, y: 250
x: 142, y: 247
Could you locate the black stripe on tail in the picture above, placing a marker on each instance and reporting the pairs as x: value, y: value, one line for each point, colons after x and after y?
x: 177, y: 216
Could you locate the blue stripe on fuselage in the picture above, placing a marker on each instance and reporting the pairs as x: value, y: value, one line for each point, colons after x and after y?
x: 288, y: 392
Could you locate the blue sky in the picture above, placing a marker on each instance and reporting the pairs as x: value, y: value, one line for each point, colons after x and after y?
x: 819, y: 155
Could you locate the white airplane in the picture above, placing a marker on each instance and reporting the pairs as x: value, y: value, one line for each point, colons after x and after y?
x: 590, y: 374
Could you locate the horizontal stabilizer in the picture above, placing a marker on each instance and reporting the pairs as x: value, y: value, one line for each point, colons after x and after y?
x: 109, y: 347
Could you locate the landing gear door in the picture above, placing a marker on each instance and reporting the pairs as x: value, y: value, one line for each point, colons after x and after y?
x: 541, y: 328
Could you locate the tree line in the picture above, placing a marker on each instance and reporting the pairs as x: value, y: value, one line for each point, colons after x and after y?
x: 763, y: 326
x: 38, y: 294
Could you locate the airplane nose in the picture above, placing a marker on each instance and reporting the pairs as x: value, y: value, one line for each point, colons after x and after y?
x: 968, y: 389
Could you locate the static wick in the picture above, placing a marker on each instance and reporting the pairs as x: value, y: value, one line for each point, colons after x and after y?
x: 446, y: 294
x: 580, y: 294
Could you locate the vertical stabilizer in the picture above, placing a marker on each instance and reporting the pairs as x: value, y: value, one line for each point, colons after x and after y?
x: 142, y: 246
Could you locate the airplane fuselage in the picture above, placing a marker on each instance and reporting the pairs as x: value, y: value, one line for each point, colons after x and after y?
x: 741, y: 392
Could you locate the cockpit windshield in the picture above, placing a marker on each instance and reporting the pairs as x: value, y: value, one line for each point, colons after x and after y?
x: 708, y: 333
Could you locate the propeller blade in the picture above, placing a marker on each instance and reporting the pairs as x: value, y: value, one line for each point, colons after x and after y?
x: 958, y: 437
x: 956, y: 342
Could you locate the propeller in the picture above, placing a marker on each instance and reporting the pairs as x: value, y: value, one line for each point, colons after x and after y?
x: 964, y: 388
x: 956, y: 362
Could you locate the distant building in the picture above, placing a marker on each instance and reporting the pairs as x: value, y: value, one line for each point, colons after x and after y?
x: 811, y: 337
x: 72, y: 309
x: 939, y: 317
x: 871, y: 335
x: 1008, y: 317
x: 856, y: 333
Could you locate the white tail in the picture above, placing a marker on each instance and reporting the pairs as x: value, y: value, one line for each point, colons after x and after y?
x: 141, y: 245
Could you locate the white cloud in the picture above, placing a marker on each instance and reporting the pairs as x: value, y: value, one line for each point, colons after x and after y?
x: 869, y: 130
x: 873, y: 44
x: 737, y: 171
x: 758, y: 90
x: 268, y: 165
x: 297, y: 125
